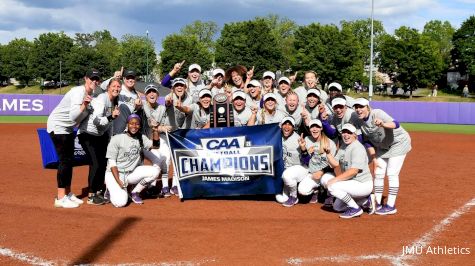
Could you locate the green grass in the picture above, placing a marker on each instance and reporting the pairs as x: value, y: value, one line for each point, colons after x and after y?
x: 411, y: 127
x: 23, y: 119
x: 33, y: 90
x: 440, y: 128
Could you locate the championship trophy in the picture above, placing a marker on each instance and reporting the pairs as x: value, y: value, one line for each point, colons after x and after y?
x: 221, y: 114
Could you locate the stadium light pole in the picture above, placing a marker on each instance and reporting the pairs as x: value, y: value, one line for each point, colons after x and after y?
x: 60, y: 80
x: 370, y: 89
x: 146, y: 77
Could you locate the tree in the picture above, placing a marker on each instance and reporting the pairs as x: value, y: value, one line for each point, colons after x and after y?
x: 333, y: 54
x: 203, y: 31
x: 441, y: 33
x: 411, y: 58
x: 249, y: 43
x: 283, y: 30
x: 361, y: 29
x: 17, y: 60
x: 177, y: 48
x: 82, y: 59
x: 133, y: 54
x: 103, y: 43
x: 48, y: 50
x: 464, y: 47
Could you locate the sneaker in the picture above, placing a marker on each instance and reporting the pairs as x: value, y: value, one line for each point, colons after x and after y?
x: 386, y: 210
x: 165, y: 193
x: 370, y: 204
x: 107, y: 196
x: 174, y: 190
x: 95, y: 199
x: 351, y: 212
x: 65, y: 202
x: 73, y: 198
x: 314, y: 198
x: 329, y: 202
x: 291, y: 202
x: 102, y: 195
x: 281, y: 198
x: 136, y: 198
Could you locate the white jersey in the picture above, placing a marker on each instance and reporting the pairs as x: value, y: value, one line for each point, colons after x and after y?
x: 97, y: 123
x: 125, y: 151
x: 291, y: 150
x: 67, y: 113
x: 128, y: 97
x: 296, y: 115
x: 318, y: 161
x: 354, y: 156
x: 388, y: 142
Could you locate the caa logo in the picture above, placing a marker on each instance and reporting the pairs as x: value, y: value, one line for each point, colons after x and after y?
x: 223, y: 143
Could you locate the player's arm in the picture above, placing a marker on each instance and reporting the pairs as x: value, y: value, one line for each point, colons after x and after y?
x: 155, y: 137
x: 115, y: 173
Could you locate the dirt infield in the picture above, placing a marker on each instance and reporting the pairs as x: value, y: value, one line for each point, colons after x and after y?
x: 435, y: 204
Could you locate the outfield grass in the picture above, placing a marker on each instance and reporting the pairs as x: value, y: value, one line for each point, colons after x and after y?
x: 441, y: 128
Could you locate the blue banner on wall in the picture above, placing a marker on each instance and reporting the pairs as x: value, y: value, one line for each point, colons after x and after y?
x: 228, y: 161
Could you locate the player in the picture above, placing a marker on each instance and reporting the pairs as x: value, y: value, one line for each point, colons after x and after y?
x: 310, y: 82
x: 332, y: 125
x: 197, y: 114
x: 270, y: 114
x: 94, y: 134
x: 125, y: 163
x: 243, y: 115
x: 73, y: 108
x: 391, y: 144
x: 354, y: 181
x: 156, y: 115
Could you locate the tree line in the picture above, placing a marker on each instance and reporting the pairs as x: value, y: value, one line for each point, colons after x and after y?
x: 337, y: 53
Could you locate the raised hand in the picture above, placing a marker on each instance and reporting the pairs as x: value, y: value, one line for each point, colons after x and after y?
x: 302, y: 143
x: 118, y: 73
x: 378, y: 122
x: 87, y: 100
x: 250, y: 73
x: 169, y: 100
x: 293, y: 77
x: 115, y: 112
x: 176, y: 68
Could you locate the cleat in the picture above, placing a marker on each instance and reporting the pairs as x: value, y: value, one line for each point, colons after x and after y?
x: 291, y: 202
x: 136, y: 198
x: 386, y: 210
x: 351, y: 212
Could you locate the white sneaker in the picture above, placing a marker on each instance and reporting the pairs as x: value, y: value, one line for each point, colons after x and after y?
x: 281, y: 198
x: 65, y: 202
x: 75, y: 199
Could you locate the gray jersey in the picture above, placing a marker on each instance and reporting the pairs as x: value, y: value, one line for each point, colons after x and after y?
x: 193, y: 89
x: 349, y: 117
x: 266, y: 118
x: 67, y: 113
x: 291, y: 150
x: 97, y: 123
x: 328, y: 104
x: 280, y: 99
x: 128, y: 97
x: 388, y: 142
x: 302, y: 93
x: 296, y: 115
x: 158, y: 114
x: 125, y: 151
x: 354, y: 156
x: 174, y: 117
x: 198, y: 117
x: 314, y: 113
x: 242, y: 118
x: 318, y: 161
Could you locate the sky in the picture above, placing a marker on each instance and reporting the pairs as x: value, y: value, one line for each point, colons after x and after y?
x: 30, y: 18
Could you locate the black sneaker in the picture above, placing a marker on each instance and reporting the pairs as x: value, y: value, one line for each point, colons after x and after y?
x: 104, y: 195
x: 95, y: 199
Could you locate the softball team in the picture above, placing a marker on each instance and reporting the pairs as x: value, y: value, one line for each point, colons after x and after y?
x: 309, y: 119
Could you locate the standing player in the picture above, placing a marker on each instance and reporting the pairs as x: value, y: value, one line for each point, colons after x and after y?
x: 243, y: 115
x: 125, y: 163
x: 391, y: 144
x: 94, y: 134
x: 73, y: 108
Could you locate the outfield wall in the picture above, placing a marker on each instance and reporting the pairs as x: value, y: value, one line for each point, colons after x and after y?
x: 408, y: 112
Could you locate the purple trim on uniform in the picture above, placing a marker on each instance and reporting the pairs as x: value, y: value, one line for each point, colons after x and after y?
x: 305, y: 159
x: 368, y: 145
x: 360, y: 138
x: 366, y: 118
x: 167, y: 81
x: 330, y: 131
x: 397, y: 124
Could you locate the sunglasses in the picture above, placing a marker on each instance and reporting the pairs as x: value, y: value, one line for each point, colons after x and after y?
x: 95, y: 79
